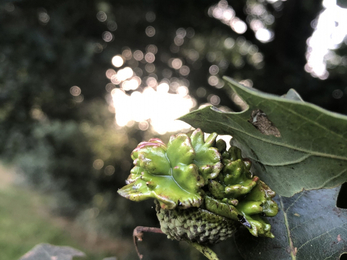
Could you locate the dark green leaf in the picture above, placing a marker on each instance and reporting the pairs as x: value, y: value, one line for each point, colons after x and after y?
x: 308, y: 226
x: 50, y: 252
x: 295, y: 145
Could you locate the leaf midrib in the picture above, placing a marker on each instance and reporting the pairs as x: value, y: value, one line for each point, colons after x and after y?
x: 286, y: 223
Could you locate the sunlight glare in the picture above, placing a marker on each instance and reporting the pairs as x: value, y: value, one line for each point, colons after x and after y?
x: 330, y: 31
x: 159, y: 107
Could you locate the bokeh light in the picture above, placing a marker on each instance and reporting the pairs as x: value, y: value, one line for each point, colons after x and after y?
x: 101, y: 16
x: 75, y: 91
x: 150, y: 57
x: 150, y: 31
x: 150, y: 17
x: 226, y: 14
x: 117, y: 61
x: 214, y: 100
x: 260, y: 20
x: 110, y: 73
x: 112, y: 26
x: 184, y: 70
x: 98, y: 164
x: 213, y: 80
x: 107, y: 36
x: 150, y: 67
x: 138, y: 55
x: 109, y: 170
x: 43, y: 16
x: 152, y: 48
x: 127, y: 54
x: 176, y: 63
x: 238, y: 26
x: 264, y: 35
x: 214, y: 69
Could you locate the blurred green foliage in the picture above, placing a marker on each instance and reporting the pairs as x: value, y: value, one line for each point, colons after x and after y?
x: 69, y: 146
x: 24, y: 224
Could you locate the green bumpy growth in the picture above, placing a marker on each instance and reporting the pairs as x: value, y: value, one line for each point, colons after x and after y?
x: 190, y: 174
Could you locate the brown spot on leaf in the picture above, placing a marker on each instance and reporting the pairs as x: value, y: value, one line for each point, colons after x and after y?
x: 260, y: 121
x: 295, y: 251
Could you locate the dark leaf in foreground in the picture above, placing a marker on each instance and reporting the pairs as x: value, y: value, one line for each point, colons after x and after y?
x: 308, y: 226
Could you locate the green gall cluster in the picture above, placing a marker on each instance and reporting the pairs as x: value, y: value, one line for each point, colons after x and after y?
x: 191, y: 174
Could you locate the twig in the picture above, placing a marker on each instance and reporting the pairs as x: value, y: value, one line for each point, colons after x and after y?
x: 138, y: 234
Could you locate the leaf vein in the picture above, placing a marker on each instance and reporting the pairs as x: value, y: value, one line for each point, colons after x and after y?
x: 303, y: 158
x: 323, y: 234
x: 281, y: 144
x: 301, y: 194
x: 334, y: 177
x: 312, y: 121
x: 302, y: 224
x: 290, y: 241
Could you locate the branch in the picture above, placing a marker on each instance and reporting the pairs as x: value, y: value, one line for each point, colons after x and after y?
x: 138, y: 234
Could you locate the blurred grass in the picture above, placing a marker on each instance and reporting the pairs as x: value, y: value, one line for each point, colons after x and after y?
x: 24, y: 223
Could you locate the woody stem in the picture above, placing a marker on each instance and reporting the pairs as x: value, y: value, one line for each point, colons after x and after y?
x: 138, y: 234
